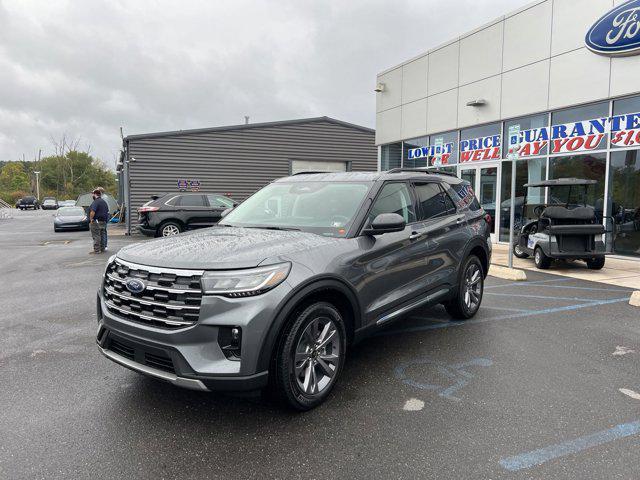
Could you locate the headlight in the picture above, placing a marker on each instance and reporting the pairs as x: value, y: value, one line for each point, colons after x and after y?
x: 111, y: 259
x: 245, y: 283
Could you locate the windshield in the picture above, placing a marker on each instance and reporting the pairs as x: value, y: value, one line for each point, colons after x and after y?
x: 319, y: 207
x: 71, y: 212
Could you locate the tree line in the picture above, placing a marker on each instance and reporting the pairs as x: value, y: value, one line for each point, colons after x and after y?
x: 64, y: 175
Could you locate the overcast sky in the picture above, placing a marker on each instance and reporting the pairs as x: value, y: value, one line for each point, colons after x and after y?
x: 84, y: 68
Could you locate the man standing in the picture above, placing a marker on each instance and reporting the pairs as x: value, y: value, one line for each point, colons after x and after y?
x: 98, y: 217
x: 104, y: 232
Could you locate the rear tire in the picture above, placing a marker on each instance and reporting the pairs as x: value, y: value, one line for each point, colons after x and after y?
x: 540, y: 259
x: 470, y: 289
x: 595, y: 263
x: 518, y: 252
x: 168, y: 229
x: 310, y: 356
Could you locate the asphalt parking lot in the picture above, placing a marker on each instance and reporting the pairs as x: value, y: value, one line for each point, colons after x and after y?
x: 530, y: 388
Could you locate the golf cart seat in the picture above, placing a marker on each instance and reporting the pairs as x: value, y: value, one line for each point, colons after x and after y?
x: 576, y: 221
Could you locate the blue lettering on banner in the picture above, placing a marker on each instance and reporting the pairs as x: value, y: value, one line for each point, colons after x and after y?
x: 617, y: 33
x: 480, y: 149
x: 443, y: 151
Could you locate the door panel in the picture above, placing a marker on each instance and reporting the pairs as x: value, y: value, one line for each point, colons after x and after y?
x: 390, y: 262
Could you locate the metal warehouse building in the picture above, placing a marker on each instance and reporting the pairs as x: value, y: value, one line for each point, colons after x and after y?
x: 239, y: 160
x: 553, y: 86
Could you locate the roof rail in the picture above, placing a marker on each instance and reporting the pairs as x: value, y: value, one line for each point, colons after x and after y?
x: 310, y: 172
x: 420, y: 170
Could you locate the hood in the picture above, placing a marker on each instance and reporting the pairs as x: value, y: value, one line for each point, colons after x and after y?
x: 221, y: 248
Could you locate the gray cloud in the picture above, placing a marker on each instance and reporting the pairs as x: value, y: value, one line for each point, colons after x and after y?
x: 85, y: 68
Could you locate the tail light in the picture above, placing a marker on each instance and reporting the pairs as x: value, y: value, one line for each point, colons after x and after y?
x: 148, y: 209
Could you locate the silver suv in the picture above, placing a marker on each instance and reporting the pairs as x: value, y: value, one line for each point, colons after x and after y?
x: 288, y: 281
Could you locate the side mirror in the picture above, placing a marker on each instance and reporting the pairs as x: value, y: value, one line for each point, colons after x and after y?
x: 226, y: 212
x: 386, y: 223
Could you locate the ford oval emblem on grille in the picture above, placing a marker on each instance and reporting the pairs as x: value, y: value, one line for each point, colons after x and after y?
x: 135, y: 285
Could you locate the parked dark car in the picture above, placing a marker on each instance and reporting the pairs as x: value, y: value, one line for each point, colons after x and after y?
x: 70, y: 218
x: 174, y: 213
x: 278, y: 292
x: 29, y: 202
x: 49, y: 203
x: 85, y: 200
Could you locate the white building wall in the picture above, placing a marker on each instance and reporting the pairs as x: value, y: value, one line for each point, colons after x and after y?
x: 528, y: 61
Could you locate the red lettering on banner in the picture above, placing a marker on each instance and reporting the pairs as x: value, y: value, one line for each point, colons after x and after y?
x: 593, y: 141
x: 575, y: 144
x: 465, y: 156
x: 537, y: 147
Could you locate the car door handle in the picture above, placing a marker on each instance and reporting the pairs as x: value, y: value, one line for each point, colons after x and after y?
x: 415, y: 236
x: 460, y: 220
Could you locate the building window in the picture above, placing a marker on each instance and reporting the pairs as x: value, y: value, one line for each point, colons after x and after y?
x: 527, y: 171
x: 531, y: 145
x: 410, y: 159
x: 589, y: 166
x: 390, y: 156
x: 582, y: 114
x: 481, y: 143
x: 625, y: 135
x: 624, y: 202
x: 449, y: 140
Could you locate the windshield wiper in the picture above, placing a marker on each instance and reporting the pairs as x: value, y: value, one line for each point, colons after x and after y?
x: 273, y: 227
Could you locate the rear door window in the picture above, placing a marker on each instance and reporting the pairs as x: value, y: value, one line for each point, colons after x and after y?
x: 394, y: 198
x: 434, y: 201
x: 218, y: 201
x: 191, y: 201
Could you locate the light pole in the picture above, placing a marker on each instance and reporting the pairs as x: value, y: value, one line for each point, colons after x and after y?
x: 37, y: 185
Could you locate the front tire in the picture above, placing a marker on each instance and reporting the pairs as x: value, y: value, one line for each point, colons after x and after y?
x: 595, y: 263
x: 470, y: 289
x: 168, y: 229
x: 518, y: 252
x: 310, y: 356
x: 540, y: 259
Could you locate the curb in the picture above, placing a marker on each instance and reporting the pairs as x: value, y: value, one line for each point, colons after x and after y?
x: 510, y: 273
x: 634, y: 301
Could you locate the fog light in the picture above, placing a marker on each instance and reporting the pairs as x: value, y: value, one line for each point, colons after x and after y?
x: 230, y: 341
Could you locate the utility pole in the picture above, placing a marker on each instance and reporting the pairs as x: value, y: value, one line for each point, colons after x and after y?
x: 37, y: 184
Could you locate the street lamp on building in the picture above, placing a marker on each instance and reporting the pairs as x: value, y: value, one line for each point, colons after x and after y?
x: 37, y: 185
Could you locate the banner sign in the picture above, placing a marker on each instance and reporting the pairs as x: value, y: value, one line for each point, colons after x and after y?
x: 432, y: 153
x: 184, y: 184
x: 617, y: 33
x: 513, y: 152
x: 579, y: 136
x: 480, y: 149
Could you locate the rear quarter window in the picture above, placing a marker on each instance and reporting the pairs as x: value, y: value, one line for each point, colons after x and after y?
x: 464, y: 196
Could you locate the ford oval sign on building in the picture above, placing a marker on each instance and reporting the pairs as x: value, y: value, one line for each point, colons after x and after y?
x: 618, y: 32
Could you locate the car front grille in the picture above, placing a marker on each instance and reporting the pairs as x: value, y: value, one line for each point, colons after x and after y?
x: 170, y: 300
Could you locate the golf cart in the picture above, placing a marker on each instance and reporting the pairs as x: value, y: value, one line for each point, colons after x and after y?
x: 561, y: 230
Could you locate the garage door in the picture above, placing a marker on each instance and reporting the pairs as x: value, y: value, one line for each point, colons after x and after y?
x: 298, y: 166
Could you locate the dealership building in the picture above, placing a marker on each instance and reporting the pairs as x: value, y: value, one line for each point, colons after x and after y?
x: 553, y: 87
x: 238, y: 160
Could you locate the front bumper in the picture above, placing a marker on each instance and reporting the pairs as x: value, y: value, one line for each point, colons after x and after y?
x: 72, y: 226
x: 192, y: 357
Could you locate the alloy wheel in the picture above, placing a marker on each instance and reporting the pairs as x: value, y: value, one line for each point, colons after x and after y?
x: 317, y: 356
x: 169, y: 230
x: 473, y: 287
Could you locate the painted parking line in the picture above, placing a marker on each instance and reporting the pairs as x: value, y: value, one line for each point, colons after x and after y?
x: 543, y: 455
x: 580, y: 299
x: 524, y: 284
x: 435, y: 326
x: 569, y: 287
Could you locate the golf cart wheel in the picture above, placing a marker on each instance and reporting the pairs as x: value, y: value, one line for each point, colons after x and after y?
x: 595, y: 263
x: 470, y: 289
x: 540, y: 259
x: 310, y: 356
x: 168, y: 229
x: 518, y: 252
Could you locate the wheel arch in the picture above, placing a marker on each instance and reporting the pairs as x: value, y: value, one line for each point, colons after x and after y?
x: 169, y: 220
x: 478, y: 248
x: 329, y: 289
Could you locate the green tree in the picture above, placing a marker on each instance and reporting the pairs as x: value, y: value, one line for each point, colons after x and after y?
x: 13, y: 177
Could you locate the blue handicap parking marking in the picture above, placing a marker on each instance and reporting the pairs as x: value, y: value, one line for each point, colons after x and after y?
x: 456, y: 375
x: 538, y: 457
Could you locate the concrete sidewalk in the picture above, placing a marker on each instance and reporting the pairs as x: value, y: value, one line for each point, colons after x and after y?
x: 617, y: 271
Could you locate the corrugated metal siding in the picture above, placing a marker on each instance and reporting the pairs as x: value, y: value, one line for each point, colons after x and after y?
x: 240, y: 162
